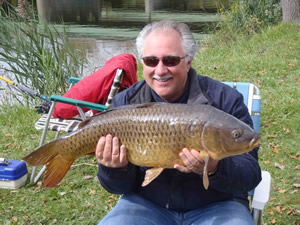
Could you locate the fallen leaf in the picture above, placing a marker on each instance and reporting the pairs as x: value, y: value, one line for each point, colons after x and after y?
x: 263, y: 70
x: 9, y: 135
x: 267, y: 162
x: 87, y: 177
x: 93, y: 191
x: 273, y: 221
x: 15, y: 219
x: 275, y: 149
x: 295, y: 157
x: 281, y: 191
x: 271, y: 212
x: 259, y: 83
x: 294, y: 191
x: 291, y: 64
x: 296, y: 185
x: 287, y: 130
x: 278, y: 209
x: 278, y: 165
x: 273, y: 136
x: 291, y: 212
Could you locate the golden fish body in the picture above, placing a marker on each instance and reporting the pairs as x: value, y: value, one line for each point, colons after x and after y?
x: 153, y: 134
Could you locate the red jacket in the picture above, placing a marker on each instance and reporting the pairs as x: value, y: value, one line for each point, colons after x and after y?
x: 95, y: 87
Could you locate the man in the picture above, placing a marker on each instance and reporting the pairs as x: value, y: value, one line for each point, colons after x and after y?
x: 177, y: 196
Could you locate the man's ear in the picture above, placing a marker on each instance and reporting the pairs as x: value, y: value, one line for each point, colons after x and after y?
x: 189, y: 63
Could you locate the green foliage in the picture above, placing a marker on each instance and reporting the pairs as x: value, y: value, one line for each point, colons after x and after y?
x: 37, y: 55
x: 249, y: 16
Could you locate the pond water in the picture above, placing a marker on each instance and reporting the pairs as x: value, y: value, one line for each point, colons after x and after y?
x: 106, y: 28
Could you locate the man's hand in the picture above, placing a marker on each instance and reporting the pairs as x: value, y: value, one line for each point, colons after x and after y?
x: 110, y: 154
x: 193, y: 162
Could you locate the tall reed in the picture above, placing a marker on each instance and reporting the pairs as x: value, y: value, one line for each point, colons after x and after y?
x: 38, y: 55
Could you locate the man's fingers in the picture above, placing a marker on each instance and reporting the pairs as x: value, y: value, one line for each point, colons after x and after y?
x: 100, y: 148
x: 185, y: 156
x: 197, y: 155
x: 123, y: 157
x: 115, y: 150
x: 107, y: 148
x: 182, y: 168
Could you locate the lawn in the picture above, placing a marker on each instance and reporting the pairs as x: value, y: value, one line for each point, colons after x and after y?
x: 269, y: 59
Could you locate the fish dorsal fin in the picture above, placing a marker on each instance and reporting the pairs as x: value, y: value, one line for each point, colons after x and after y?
x: 84, y: 123
x: 146, y: 105
x: 88, y: 120
x: 151, y: 174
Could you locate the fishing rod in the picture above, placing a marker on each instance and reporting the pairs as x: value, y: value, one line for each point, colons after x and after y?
x: 25, y: 89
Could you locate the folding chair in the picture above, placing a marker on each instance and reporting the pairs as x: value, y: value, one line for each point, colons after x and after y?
x: 252, y: 99
x: 47, y: 122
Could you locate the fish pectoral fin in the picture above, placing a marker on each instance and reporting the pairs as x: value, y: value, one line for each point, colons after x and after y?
x: 205, y: 173
x: 151, y: 174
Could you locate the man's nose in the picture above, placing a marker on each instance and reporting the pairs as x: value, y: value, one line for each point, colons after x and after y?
x: 161, y: 69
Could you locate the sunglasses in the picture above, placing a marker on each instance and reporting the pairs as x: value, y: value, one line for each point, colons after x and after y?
x: 168, y: 61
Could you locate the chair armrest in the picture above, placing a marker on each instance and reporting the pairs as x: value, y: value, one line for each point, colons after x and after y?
x: 262, y: 191
x: 84, y: 104
x: 74, y: 80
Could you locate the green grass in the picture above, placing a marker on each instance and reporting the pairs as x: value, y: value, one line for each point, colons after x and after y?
x: 269, y: 59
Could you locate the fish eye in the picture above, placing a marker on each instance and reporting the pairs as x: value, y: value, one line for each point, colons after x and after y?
x: 236, y: 133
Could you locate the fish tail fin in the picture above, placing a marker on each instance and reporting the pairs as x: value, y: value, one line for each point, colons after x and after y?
x: 42, y: 155
x: 56, y: 169
x: 56, y: 166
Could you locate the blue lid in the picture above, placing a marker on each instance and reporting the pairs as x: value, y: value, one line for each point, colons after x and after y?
x: 12, y: 169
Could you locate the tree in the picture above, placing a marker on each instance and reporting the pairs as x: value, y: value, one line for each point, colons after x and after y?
x: 290, y: 11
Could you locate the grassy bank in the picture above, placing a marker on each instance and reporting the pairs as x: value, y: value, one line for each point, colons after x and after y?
x: 270, y: 60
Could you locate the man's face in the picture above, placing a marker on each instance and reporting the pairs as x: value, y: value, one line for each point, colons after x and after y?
x: 167, y: 82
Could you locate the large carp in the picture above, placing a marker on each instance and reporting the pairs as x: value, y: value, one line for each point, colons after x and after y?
x: 153, y: 134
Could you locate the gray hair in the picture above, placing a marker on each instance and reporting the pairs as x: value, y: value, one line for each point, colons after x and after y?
x: 188, y: 41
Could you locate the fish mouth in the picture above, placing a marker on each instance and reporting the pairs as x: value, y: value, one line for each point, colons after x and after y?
x: 254, y: 142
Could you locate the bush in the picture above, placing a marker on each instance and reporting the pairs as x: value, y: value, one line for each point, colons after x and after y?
x: 249, y: 16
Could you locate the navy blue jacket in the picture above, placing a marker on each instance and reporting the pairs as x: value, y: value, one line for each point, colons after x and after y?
x: 235, y: 175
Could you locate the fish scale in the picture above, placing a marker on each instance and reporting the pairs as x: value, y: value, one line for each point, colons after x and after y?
x: 153, y: 134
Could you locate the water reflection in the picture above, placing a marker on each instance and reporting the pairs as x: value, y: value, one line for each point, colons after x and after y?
x: 99, y: 51
x: 99, y: 25
x: 119, y: 12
